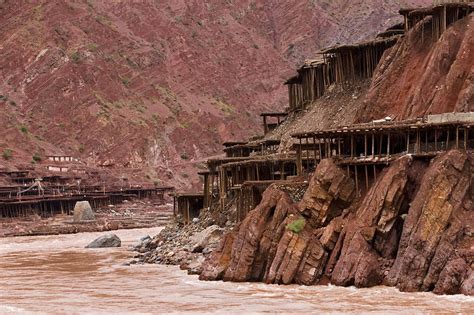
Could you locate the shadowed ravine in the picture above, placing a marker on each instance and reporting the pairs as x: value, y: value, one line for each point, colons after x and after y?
x: 55, y: 274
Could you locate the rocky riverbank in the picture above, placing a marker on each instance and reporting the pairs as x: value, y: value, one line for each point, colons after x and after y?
x: 413, y: 229
x: 184, y: 245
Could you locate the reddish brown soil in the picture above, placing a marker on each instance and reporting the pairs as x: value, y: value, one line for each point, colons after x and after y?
x: 158, y: 85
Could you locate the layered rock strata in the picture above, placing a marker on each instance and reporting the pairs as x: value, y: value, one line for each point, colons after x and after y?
x: 412, y: 229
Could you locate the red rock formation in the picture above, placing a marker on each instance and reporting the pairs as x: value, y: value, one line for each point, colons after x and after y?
x: 421, y: 76
x: 434, y: 232
x: 266, y: 249
x: 407, y: 231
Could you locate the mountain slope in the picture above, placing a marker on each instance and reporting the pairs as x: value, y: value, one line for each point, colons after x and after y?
x: 158, y: 85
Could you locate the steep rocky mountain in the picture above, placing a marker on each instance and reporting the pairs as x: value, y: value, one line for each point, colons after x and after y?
x: 158, y: 85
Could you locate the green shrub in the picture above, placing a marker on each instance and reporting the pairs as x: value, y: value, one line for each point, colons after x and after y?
x: 81, y: 148
x: 7, y: 154
x: 297, y: 225
x: 184, y: 156
x: 76, y: 56
x: 37, y: 158
x: 125, y: 80
x: 24, y: 129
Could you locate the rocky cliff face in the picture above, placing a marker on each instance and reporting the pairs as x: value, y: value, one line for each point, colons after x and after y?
x: 412, y: 229
x: 421, y: 76
x: 158, y: 84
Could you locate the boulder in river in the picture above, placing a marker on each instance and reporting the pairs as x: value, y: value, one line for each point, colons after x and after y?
x: 83, y: 212
x: 108, y: 240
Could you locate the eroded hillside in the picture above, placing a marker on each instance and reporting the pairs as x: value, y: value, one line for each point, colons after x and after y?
x: 157, y: 85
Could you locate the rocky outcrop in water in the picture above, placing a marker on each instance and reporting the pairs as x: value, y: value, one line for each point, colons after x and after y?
x: 411, y: 229
x: 108, y: 240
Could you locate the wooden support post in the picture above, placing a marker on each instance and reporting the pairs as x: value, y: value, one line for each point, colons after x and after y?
x: 356, y: 179
x: 320, y: 148
x: 339, y: 147
x: 373, y: 145
x: 465, y: 138
x: 447, y: 140
x: 265, y: 126
x: 365, y: 145
x: 457, y: 137
x: 375, y: 173
x: 426, y: 140
x: 436, y: 140
x: 366, y: 178
x: 388, y: 146
x: 352, y: 146
x: 307, y: 155
x: 314, y: 151
x: 299, y: 161
x: 408, y: 142
x: 329, y: 141
x: 417, y: 142
x: 380, y: 145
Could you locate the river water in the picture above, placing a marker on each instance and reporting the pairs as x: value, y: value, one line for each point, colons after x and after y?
x: 56, y: 274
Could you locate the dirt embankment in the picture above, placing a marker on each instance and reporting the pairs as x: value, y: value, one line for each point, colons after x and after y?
x: 412, y: 229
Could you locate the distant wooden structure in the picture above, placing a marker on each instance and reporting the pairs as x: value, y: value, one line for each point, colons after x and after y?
x: 375, y: 143
x: 358, y: 61
x: 337, y: 65
x: 188, y: 205
x: 269, y: 125
x: 61, y: 158
x: 443, y: 14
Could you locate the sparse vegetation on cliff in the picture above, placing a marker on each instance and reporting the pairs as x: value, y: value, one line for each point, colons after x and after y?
x: 297, y: 225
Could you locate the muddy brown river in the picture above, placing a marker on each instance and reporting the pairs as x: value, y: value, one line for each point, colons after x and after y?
x: 56, y: 275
